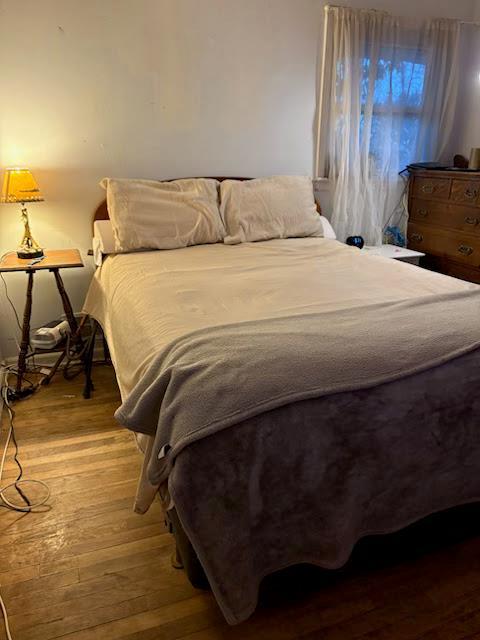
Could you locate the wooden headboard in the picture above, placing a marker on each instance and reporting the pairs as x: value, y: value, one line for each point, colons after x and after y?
x: 101, y: 212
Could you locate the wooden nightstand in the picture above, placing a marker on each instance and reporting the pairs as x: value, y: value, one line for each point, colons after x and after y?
x: 54, y: 260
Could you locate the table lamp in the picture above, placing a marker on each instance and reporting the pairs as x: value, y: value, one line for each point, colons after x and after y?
x: 19, y: 185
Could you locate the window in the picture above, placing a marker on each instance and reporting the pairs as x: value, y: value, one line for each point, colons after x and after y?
x: 397, y: 107
x: 387, y: 98
x: 393, y: 89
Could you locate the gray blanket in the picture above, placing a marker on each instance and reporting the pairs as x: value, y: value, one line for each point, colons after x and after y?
x: 216, y: 377
x: 304, y: 482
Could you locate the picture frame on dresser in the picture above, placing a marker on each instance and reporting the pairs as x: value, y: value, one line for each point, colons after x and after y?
x: 444, y: 220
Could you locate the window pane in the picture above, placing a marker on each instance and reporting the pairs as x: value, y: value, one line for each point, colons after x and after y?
x: 392, y: 90
x: 392, y: 140
x: 400, y: 83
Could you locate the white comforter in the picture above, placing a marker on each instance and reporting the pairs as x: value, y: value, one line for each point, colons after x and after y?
x: 146, y: 300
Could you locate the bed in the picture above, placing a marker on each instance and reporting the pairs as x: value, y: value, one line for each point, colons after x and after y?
x: 291, y: 396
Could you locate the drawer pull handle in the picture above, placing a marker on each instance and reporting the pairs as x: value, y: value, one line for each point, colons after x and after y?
x: 469, y: 220
x: 416, y: 237
x: 465, y: 250
x: 422, y: 213
x: 471, y: 193
x: 428, y: 188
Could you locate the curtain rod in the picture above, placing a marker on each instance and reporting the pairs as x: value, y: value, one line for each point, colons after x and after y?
x: 476, y: 23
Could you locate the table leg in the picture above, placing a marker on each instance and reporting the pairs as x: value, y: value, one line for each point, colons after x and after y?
x: 24, y: 345
x: 88, y: 362
x: 67, y: 307
x: 53, y: 370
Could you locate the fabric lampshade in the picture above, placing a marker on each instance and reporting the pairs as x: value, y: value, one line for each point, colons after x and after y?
x: 19, y: 185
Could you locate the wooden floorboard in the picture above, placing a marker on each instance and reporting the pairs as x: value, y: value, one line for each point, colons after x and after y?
x: 89, y: 568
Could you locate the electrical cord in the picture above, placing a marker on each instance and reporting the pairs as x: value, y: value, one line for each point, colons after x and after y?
x: 11, y: 302
x: 402, y: 202
x: 74, y: 357
x: 20, y: 468
x: 5, y: 619
x: 11, y: 438
x: 27, y: 505
x: 6, y: 290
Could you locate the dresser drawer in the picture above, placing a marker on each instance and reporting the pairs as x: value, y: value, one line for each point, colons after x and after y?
x: 465, y: 191
x: 456, y: 246
x: 431, y: 188
x: 452, y: 216
x: 462, y: 271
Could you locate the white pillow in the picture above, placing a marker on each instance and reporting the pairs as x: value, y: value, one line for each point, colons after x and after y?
x: 147, y: 214
x: 265, y: 208
x: 103, y: 242
x: 328, y: 231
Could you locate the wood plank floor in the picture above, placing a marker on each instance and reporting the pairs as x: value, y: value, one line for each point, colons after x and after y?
x: 89, y: 568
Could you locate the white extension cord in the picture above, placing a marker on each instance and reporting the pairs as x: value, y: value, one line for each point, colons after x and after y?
x: 6, y: 502
x: 5, y: 619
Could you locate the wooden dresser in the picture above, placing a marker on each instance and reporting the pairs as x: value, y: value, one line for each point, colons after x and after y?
x: 444, y: 221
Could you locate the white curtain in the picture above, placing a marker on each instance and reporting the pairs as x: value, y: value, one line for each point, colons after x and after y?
x: 387, y: 98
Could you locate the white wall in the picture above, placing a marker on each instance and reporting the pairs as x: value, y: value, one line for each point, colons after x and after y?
x: 149, y: 88
x: 152, y: 88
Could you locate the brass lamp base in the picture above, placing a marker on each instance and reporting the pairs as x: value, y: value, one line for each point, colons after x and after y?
x: 27, y: 255
x: 29, y: 248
